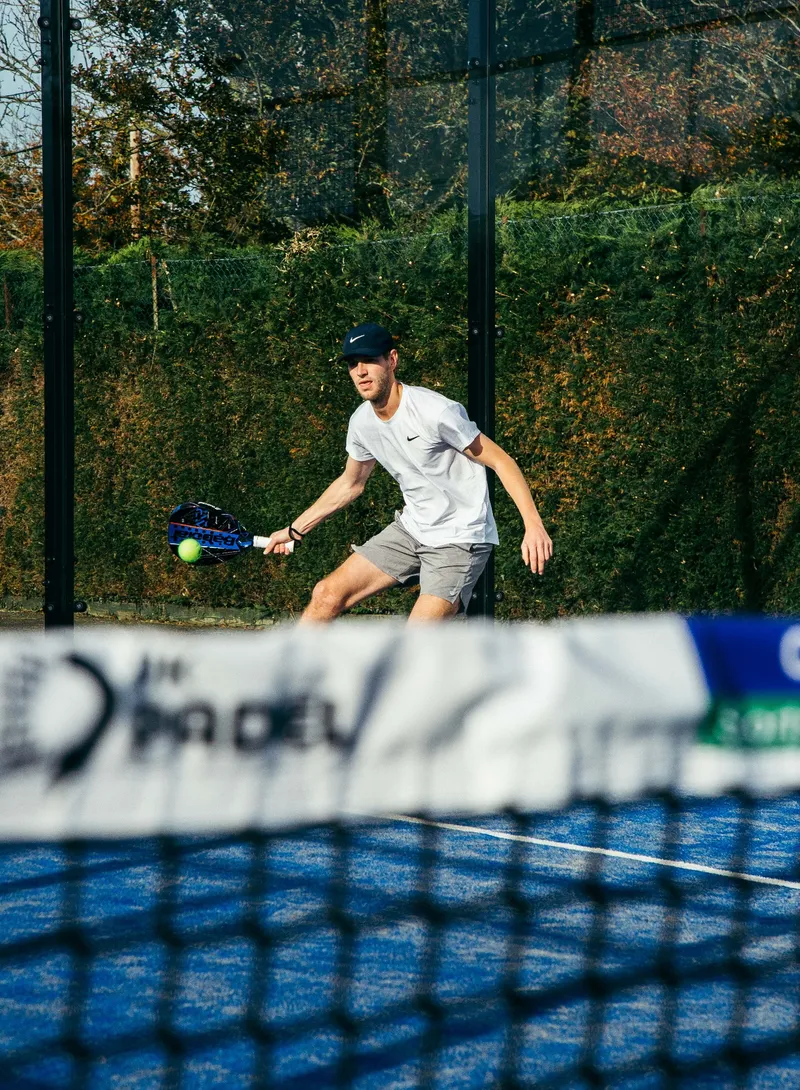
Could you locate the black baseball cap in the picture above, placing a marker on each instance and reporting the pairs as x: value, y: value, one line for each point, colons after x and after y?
x: 368, y: 339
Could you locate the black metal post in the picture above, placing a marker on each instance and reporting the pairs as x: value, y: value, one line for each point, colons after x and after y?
x: 59, y: 456
x: 481, y: 245
x: 372, y: 117
x: 578, y: 135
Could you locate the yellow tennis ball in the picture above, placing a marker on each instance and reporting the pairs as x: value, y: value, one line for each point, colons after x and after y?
x: 190, y: 550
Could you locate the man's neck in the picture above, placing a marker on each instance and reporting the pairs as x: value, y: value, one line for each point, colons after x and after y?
x: 387, y: 408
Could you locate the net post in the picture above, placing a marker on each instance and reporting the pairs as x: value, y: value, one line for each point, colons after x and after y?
x: 481, y: 247
x: 59, y: 426
x: 79, y: 947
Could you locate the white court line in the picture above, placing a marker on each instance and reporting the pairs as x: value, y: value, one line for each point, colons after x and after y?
x: 760, y: 879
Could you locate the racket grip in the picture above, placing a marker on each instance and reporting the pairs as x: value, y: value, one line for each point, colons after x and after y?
x: 263, y: 543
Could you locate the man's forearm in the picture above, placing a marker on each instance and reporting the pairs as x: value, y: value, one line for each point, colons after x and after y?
x: 336, y: 496
x: 517, y: 487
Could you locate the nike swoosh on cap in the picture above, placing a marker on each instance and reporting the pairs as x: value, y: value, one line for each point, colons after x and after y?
x: 358, y: 338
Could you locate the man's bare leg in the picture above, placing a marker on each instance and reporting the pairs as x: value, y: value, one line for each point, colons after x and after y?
x: 350, y: 583
x: 430, y: 608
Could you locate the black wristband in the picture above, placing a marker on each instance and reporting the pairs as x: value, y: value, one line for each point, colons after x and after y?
x: 295, y: 534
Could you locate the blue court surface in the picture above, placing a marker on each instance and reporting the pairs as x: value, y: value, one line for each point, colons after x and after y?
x: 397, y: 954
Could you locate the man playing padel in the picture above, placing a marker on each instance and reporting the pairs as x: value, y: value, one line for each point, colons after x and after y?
x: 444, y: 535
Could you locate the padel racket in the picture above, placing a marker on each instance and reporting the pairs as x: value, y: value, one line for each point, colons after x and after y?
x: 220, y: 536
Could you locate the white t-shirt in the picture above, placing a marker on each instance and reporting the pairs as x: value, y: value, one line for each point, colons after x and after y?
x: 421, y: 446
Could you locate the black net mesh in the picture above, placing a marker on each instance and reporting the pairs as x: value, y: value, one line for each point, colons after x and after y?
x: 547, y: 951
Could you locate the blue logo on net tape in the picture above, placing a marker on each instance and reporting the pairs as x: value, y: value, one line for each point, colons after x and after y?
x: 747, y: 657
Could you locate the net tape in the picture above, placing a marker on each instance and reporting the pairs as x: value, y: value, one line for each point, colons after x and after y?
x: 124, y: 734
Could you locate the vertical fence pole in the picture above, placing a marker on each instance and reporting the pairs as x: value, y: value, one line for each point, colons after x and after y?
x: 154, y: 290
x: 59, y: 440
x: 372, y: 117
x: 481, y: 245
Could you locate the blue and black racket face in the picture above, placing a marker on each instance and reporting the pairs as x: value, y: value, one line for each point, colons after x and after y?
x: 220, y: 535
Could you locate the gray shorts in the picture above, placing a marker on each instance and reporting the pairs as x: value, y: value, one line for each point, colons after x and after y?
x: 446, y: 571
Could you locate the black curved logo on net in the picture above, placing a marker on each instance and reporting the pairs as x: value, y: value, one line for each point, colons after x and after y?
x: 77, y: 756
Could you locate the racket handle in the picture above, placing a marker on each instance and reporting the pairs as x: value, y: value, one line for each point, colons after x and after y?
x: 263, y: 543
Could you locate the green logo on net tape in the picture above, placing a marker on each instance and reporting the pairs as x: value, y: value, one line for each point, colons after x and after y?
x: 757, y: 723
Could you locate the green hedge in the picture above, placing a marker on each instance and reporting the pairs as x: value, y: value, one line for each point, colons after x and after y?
x: 647, y: 384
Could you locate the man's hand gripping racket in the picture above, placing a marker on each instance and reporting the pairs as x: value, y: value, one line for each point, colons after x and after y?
x: 219, y: 535
x: 281, y: 543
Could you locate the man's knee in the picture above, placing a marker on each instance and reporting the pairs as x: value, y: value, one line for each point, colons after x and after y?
x: 326, y: 598
x: 429, y: 607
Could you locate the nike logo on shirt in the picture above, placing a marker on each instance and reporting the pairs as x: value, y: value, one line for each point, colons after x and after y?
x: 410, y: 437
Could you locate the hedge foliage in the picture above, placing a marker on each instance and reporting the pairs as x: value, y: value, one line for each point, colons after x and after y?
x: 647, y: 384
